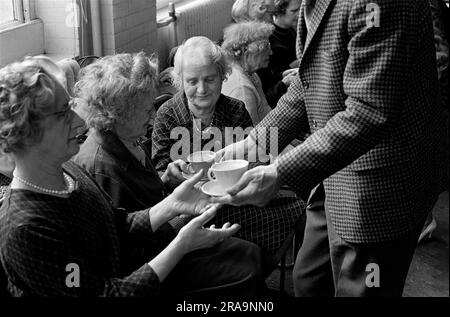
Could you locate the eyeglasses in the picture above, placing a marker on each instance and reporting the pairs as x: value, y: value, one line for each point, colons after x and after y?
x: 61, y: 113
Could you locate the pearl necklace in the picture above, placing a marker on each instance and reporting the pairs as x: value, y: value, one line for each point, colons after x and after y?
x: 70, y: 183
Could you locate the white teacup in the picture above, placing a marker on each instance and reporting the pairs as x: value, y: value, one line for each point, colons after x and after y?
x: 227, y: 173
x: 201, y: 160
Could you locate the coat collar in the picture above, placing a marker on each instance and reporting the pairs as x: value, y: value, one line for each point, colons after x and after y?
x: 180, y: 105
x: 112, y: 144
x: 305, y: 37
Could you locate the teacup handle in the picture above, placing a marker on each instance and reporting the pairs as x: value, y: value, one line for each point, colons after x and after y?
x: 190, y: 169
x: 210, y: 175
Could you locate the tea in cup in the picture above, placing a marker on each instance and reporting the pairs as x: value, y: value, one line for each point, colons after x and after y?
x: 201, y: 160
x: 227, y: 173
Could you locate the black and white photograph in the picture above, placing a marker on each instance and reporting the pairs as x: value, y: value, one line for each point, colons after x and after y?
x: 218, y: 156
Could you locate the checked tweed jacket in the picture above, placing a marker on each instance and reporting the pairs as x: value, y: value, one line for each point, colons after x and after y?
x: 367, y: 93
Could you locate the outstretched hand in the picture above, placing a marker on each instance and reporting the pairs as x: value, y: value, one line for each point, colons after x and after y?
x: 187, y: 198
x: 256, y: 187
x: 194, y: 236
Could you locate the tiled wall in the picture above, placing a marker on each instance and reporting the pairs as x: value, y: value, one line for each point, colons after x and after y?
x: 60, y: 37
x: 129, y: 26
x: 126, y: 26
x: 13, y: 46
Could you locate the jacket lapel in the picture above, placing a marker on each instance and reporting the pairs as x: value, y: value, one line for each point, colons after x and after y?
x: 318, y: 13
x: 301, y: 32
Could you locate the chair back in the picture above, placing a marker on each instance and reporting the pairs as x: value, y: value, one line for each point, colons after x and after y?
x: 83, y: 61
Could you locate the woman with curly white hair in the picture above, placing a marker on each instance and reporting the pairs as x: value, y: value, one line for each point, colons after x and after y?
x: 249, y: 48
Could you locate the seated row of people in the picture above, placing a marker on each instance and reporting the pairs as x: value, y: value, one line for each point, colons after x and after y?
x: 50, y: 199
x: 60, y: 233
x: 261, y: 45
x: 56, y: 215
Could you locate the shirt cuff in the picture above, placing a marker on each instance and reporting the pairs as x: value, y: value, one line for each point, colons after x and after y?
x: 179, y: 222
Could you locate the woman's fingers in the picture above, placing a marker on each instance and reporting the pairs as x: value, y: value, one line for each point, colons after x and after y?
x: 194, y: 179
x: 206, y: 216
x: 182, y: 166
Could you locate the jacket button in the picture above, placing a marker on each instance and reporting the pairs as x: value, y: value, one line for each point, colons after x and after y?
x: 314, y: 122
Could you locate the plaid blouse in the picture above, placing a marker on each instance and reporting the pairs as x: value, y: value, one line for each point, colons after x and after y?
x: 44, y: 239
x: 175, y: 113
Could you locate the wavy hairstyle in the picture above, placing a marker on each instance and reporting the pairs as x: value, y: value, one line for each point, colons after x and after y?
x: 239, y: 10
x: 205, y: 48
x: 244, y: 40
x: 27, y: 94
x: 110, y: 87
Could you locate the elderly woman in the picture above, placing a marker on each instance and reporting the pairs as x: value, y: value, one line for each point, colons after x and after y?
x: 59, y: 234
x: 115, y: 95
x: 248, y: 45
x: 200, y: 69
x: 66, y: 71
x: 199, y: 110
x: 252, y: 10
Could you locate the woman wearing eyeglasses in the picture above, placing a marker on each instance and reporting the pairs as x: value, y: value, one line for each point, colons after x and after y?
x: 249, y: 48
x: 61, y: 236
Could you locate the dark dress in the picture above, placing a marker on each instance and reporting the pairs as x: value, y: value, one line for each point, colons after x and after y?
x: 43, y: 237
x: 282, y: 43
x: 129, y: 183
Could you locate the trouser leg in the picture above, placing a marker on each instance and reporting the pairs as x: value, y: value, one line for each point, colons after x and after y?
x: 372, y: 269
x: 312, y: 272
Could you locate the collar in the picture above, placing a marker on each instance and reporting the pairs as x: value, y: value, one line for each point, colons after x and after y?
x: 181, y: 108
x: 111, y: 143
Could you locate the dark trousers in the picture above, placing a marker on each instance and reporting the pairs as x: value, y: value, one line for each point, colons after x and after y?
x: 231, y: 268
x: 326, y: 265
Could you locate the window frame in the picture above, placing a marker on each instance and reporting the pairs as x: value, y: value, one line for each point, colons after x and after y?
x: 164, y: 4
x: 23, y: 11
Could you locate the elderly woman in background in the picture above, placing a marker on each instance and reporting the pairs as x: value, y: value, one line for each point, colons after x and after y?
x: 59, y: 234
x: 252, y: 10
x: 248, y: 45
x: 200, y: 69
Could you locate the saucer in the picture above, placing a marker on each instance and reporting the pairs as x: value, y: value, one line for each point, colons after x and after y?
x: 189, y: 176
x: 213, y: 189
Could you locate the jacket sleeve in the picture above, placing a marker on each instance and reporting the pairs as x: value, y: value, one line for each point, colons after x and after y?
x: 48, y: 264
x: 286, y: 122
x: 374, y: 85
